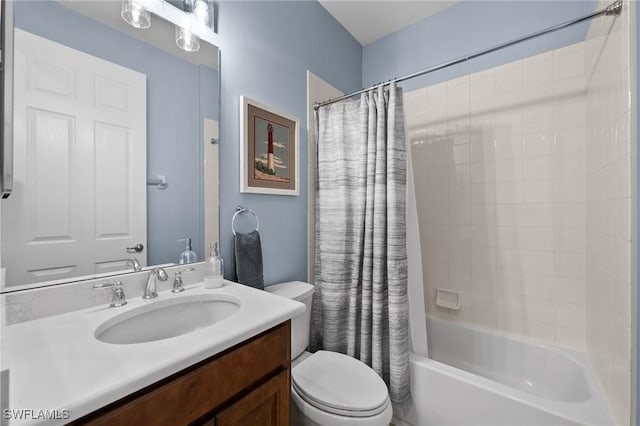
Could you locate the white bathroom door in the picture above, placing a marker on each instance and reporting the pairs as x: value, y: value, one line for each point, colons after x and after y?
x: 80, y: 164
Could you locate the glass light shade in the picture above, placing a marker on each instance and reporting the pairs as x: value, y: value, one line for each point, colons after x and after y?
x: 186, y: 40
x: 135, y: 15
x: 201, y: 12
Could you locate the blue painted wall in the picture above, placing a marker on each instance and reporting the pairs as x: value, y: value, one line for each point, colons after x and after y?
x: 179, y: 96
x: 465, y: 28
x: 267, y: 48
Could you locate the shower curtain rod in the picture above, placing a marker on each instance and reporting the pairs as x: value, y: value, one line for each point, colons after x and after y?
x: 614, y: 9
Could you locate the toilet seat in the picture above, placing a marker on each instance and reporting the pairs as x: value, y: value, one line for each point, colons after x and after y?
x: 340, y: 385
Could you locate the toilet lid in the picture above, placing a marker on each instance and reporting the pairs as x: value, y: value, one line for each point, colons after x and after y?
x: 340, y: 384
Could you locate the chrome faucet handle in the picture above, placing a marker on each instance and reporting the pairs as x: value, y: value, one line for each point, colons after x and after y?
x: 118, y: 297
x: 177, y: 281
x: 133, y: 263
x: 162, y: 274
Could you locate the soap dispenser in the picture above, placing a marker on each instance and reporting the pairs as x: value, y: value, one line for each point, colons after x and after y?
x: 188, y: 255
x: 213, y: 269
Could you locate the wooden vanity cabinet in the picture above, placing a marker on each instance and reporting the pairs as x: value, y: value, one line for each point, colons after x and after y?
x: 248, y: 384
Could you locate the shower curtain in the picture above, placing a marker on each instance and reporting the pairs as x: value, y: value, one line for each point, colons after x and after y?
x: 360, y: 304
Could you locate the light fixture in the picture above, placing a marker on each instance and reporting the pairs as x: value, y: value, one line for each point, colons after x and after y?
x: 135, y: 15
x: 186, y: 40
x: 200, y: 16
x: 201, y: 12
x: 190, y: 17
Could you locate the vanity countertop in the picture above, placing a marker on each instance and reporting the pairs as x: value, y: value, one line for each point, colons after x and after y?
x: 56, y: 363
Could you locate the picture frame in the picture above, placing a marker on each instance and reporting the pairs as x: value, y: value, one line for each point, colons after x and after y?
x: 269, y: 150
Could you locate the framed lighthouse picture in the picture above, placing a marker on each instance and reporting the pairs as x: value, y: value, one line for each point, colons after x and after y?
x: 269, y: 157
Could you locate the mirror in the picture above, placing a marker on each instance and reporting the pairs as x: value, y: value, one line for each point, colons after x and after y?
x: 115, y: 145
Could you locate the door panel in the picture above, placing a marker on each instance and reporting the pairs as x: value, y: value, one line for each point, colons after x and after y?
x: 80, y: 164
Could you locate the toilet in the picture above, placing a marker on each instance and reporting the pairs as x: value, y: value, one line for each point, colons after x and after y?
x: 329, y: 388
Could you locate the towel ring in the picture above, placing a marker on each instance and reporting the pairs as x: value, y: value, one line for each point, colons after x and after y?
x: 242, y: 209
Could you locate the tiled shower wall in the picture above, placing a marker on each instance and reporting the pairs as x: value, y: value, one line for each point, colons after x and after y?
x: 499, y: 165
x: 608, y: 190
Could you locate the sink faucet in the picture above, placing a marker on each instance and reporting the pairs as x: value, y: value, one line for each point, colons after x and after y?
x: 133, y: 263
x: 177, y: 281
x: 155, y: 274
x: 117, y: 298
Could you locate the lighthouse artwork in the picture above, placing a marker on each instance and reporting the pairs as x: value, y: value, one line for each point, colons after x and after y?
x: 270, y: 150
x: 272, y: 158
x: 270, y: 164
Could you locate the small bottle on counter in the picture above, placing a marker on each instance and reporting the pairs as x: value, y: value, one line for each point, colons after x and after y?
x: 213, y: 269
x: 188, y: 255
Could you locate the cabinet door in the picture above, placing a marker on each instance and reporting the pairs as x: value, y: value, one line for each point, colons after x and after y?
x: 267, y: 405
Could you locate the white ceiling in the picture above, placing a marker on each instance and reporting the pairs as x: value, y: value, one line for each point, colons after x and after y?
x: 369, y: 20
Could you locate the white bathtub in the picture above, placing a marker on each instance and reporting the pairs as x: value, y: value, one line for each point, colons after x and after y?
x: 479, y: 377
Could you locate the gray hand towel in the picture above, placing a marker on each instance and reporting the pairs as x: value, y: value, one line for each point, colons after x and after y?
x: 248, y: 259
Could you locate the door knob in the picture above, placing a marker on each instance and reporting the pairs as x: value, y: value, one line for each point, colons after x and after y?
x: 135, y: 249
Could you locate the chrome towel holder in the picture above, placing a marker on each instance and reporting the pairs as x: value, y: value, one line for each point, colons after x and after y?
x: 240, y: 210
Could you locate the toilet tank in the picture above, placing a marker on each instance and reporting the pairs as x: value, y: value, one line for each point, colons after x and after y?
x: 302, y: 292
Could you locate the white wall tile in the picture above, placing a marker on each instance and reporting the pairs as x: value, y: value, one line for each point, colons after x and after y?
x: 569, y: 112
x: 540, y: 310
x: 570, y: 215
x: 482, y: 193
x: 540, y: 286
x: 571, y: 315
x: 509, y: 192
x: 570, y: 87
x: 570, y: 265
x: 484, y: 317
x: 621, y: 215
x: 458, y: 90
x: 536, y: 144
x: 511, y: 324
x: 570, y: 240
x: 511, y: 282
x: 461, y: 153
x: 538, y: 69
x: 460, y: 214
x: 541, y: 167
x: 508, y: 237
x: 570, y: 290
x: 460, y: 194
x: 570, y: 165
x: 539, y: 239
x: 527, y: 188
x: 571, y: 337
x: 459, y: 174
x: 540, y: 330
x: 435, y: 175
x: 482, y: 85
x: 570, y: 190
x: 570, y: 139
x: 508, y: 80
x: 539, y: 262
x: 508, y: 147
x: 569, y: 61
x: 537, y: 117
x: 508, y: 214
x: 539, y: 191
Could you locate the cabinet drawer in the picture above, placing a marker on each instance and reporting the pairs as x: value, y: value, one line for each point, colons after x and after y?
x: 190, y: 394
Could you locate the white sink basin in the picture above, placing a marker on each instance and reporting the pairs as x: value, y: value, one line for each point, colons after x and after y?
x: 167, y: 318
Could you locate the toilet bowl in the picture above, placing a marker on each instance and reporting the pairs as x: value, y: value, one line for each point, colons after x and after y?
x: 329, y: 388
